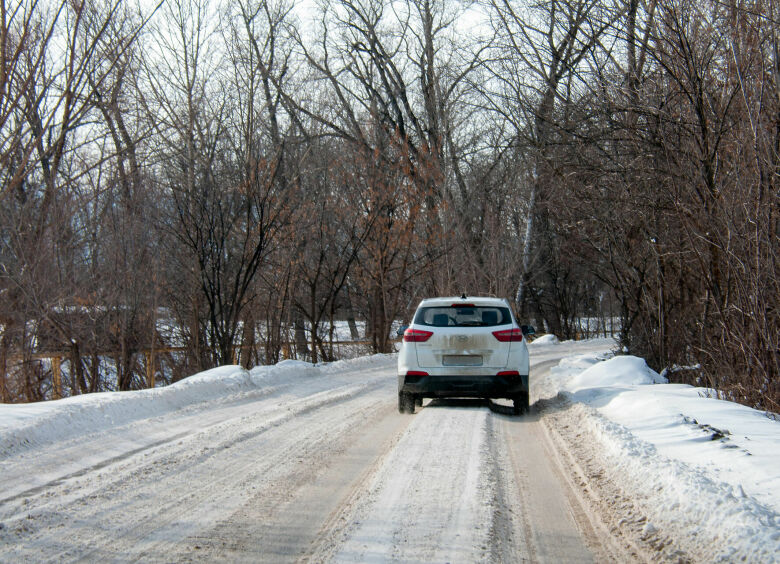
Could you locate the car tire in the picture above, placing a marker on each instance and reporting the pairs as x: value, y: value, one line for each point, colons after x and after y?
x: 401, y: 404
x: 521, y: 403
x: 405, y: 402
x: 418, y: 401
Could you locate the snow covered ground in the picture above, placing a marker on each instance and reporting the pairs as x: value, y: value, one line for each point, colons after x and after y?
x: 703, y: 466
x: 35, y: 424
x: 701, y: 475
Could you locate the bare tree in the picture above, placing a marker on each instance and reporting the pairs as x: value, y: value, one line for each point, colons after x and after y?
x: 539, y: 49
x: 55, y: 60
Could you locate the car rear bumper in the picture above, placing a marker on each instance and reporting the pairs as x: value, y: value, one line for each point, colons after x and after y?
x: 464, y: 386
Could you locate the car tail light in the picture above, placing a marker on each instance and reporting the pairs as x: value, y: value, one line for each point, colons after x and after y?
x: 463, y: 305
x: 508, y: 373
x: 417, y: 335
x: 417, y: 373
x: 509, y: 335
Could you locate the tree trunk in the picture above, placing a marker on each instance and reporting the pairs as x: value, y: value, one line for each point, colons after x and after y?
x: 78, y: 383
x: 247, y: 351
x: 5, y: 396
x: 526, y: 256
x: 301, y: 345
x: 353, y: 330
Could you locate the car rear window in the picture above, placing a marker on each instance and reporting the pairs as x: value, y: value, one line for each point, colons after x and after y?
x: 463, y: 316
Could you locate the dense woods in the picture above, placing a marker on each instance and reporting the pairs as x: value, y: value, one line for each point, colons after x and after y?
x: 201, y: 182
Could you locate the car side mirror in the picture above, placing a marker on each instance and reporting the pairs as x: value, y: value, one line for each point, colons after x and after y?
x: 527, y: 330
x: 401, y: 329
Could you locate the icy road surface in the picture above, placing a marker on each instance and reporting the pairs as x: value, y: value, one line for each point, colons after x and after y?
x: 298, y: 463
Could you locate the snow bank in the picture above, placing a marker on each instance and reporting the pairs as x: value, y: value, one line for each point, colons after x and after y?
x: 705, y: 468
x: 544, y: 340
x: 712, y: 519
x: 359, y: 363
x: 46, y: 422
x: 617, y: 371
x: 35, y: 424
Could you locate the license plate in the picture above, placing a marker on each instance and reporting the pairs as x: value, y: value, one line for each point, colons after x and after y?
x: 461, y: 360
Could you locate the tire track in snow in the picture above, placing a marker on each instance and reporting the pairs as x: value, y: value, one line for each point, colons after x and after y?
x: 287, y: 526
x: 431, y: 500
x: 455, y: 482
x: 96, y: 454
x: 144, y: 503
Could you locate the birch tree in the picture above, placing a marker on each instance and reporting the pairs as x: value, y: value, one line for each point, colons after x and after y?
x: 540, y: 47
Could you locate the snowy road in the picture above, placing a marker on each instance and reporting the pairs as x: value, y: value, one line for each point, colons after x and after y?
x: 319, y: 466
x: 323, y: 470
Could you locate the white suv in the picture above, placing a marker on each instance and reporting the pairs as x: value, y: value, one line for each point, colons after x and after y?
x: 463, y: 347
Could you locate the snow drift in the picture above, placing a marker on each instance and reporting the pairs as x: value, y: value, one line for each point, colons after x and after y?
x: 36, y: 424
x: 705, y: 468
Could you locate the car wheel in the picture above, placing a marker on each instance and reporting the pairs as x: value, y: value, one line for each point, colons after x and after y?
x: 405, y: 402
x: 521, y: 403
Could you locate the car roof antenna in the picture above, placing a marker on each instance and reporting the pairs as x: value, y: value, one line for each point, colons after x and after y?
x: 463, y: 296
